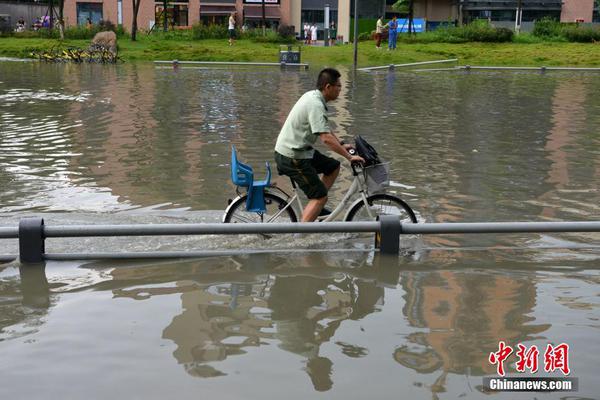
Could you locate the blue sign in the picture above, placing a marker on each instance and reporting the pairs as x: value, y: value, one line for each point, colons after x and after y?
x: 418, y: 25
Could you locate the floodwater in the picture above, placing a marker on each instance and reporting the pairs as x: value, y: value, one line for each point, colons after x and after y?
x: 319, y: 315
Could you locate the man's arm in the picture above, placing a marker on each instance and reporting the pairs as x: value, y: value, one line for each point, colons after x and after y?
x: 330, y: 140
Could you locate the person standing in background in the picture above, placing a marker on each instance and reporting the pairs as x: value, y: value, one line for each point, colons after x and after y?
x: 231, y: 28
x: 313, y: 33
x: 332, y: 33
x: 393, y: 33
x: 379, y: 27
x: 306, y: 33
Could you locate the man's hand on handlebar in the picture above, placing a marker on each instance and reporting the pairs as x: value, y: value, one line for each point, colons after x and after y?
x: 356, y: 159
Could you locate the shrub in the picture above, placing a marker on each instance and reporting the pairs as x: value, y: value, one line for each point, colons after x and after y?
x: 269, y: 36
x: 201, y: 31
x: 547, y: 27
x: 286, y: 31
x: 580, y: 34
x: 366, y: 36
x: 477, y: 31
x: 178, y: 34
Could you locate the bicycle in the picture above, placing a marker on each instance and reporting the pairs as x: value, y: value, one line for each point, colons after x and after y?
x: 264, y: 202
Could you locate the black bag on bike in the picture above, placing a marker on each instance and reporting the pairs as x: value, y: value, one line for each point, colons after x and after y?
x: 366, y: 151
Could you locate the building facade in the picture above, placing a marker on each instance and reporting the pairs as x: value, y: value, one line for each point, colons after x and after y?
x: 185, y: 13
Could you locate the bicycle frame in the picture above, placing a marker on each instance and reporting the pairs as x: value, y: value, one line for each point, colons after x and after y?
x: 295, y: 202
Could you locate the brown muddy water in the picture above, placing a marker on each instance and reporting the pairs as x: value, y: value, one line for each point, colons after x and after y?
x: 316, y: 316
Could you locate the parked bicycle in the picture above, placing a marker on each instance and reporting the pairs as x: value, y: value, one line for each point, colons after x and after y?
x: 268, y: 203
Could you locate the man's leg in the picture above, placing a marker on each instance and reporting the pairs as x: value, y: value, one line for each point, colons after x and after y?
x: 328, y: 180
x: 313, y: 209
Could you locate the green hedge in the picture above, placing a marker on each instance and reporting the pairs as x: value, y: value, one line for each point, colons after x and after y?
x: 365, y: 25
x: 73, y: 32
x: 284, y: 34
x: 550, y: 29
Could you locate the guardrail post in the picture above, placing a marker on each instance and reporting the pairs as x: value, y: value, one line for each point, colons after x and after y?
x: 31, y: 240
x: 389, y: 234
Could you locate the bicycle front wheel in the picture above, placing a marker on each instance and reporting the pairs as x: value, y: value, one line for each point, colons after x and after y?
x: 237, y: 213
x: 381, y: 204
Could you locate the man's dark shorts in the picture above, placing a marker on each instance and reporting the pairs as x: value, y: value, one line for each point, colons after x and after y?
x: 305, y: 172
x: 231, y: 33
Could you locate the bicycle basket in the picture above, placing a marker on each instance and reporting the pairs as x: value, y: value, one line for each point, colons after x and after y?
x: 377, y: 177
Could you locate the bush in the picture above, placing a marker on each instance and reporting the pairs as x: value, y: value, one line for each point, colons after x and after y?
x: 547, y: 27
x: 178, y: 34
x: 366, y: 36
x: 286, y: 31
x: 201, y: 31
x: 482, y: 31
x: 580, y: 34
x: 477, y: 31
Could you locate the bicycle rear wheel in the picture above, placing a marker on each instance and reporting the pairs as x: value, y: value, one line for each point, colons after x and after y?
x: 382, y: 204
x: 236, y: 212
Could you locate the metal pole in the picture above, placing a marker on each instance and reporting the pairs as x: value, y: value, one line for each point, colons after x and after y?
x: 326, y: 26
x: 518, y: 17
x: 165, y: 15
x: 51, y: 12
x: 31, y: 240
x: 389, y: 236
x: 355, y: 34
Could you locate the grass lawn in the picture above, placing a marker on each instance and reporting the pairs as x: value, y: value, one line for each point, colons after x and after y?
x: 491, y: 54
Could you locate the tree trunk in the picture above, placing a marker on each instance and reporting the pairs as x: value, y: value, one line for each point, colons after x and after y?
x: 61, y: 19
x: 411, y: 27
x: 136, y: 7
x: 264, y: 23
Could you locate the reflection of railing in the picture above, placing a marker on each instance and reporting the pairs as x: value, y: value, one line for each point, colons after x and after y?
x: 32, y: 234
x: 392, y: 66
x: 177, y: 63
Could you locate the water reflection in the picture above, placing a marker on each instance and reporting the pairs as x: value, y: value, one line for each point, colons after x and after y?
x: 269, y: 302
x: 438, y: 319
x: 464, y: 315
x: 24, y: 301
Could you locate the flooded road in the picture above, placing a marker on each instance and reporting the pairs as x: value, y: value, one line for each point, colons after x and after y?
x: 322, y: 315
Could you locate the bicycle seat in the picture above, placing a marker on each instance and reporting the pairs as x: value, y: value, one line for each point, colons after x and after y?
x: 243, y: 175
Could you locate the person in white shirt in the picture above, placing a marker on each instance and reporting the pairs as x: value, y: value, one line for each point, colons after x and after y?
x: 306, y: 33
x: 231, y: 28
x: 379, y: 32
x: 313, y: 35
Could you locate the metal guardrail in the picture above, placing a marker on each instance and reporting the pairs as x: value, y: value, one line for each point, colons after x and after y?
x: 542, y: 68
x: 392, y: 66
x: 32, y: 234
x: 176, y: 63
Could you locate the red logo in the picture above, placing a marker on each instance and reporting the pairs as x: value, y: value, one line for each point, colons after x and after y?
x: 500, y: 356
x: 555, y: 358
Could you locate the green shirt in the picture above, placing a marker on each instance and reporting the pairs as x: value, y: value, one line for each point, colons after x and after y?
x: 303, y: 125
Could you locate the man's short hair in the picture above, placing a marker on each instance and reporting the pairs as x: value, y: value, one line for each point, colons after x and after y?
x: 327, y: 76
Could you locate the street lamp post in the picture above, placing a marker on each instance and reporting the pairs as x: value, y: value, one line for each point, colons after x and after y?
x: 355, y: 33
x: 519, y: 16
x: 326, y: 23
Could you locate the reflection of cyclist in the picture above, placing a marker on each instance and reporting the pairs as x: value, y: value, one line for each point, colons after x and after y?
x: 294, y: 152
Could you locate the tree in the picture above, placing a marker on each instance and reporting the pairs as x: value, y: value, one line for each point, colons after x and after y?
x: 136, y: 8
x: 61, y: 19
x: 406, y: 7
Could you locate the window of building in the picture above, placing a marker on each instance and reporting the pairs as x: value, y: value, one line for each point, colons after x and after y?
x: 177, y: 15
x: 260, y: 1
x: 214, y: 19
x: 91, y: 11
x: 318, y: 16
x: 534, y: 15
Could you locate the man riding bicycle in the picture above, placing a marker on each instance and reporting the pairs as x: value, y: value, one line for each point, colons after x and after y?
x: 294, y: 152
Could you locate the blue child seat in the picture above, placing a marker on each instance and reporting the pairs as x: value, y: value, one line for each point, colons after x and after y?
x: 243, y: 175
